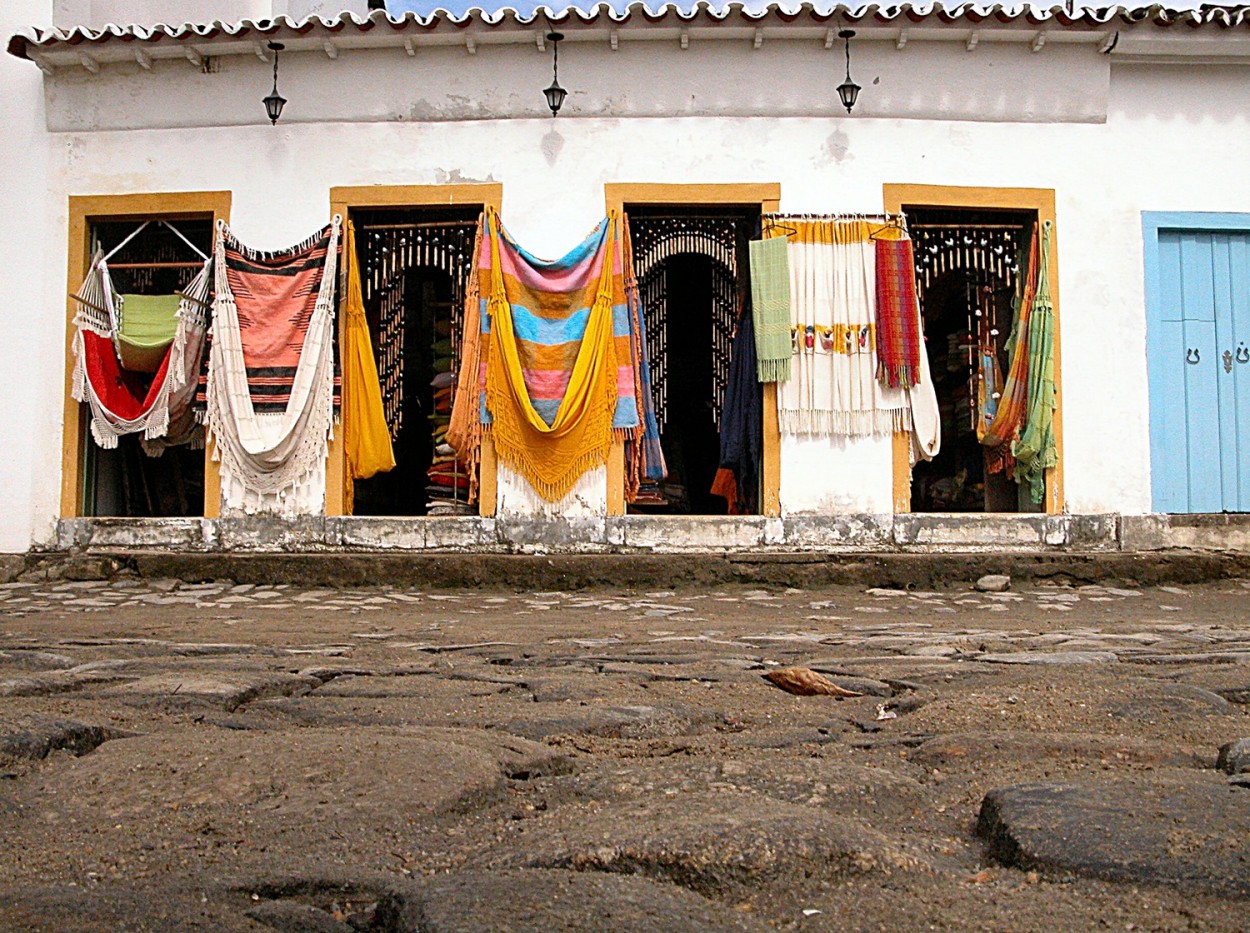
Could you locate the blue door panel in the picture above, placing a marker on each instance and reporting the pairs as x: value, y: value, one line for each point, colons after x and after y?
x: 1197, y: 292
x: 1169, y: 442
x: 1170, y: 276
x: 1198, y: 356
x: 1239, y: 266
x: 1202, y: 423
x: 1225, y: 364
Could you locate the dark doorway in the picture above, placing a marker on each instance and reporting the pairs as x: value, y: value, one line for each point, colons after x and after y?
x: 967, y: 266
x: 414, y: 267
x: 125, y: 482
x: 692, y: 278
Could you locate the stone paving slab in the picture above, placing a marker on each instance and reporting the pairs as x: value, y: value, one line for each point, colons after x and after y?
x: 1194, y: 836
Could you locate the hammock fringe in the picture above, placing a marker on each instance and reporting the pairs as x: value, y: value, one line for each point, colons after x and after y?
x: 849, y: 423
x: 773, y: 370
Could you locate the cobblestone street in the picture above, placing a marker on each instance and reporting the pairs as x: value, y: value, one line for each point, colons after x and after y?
x: 236, y: 757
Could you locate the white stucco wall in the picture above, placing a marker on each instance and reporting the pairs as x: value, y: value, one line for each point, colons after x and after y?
x: 31, y: 244
x: 1172, y: 139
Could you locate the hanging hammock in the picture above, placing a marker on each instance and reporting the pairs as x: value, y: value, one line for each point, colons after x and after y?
x: 124, y: 401
x: 367, y: 435
x: 558, y: 344
x: 270, y: 386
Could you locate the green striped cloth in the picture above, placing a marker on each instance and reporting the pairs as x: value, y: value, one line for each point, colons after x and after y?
x: 1035, y: 449
x: 770, y: 305
x: 147, y: 327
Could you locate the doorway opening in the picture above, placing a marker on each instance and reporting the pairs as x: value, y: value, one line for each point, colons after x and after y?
x: 690, y: 262
x: 968, y: 262
x: 127, y: 482
x: 415, y: 265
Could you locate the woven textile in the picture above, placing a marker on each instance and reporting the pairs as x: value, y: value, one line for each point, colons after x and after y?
x: 644, y: 457
x: 270, y: 383
x: 898, y: 314
x: 770, y: 303
x: 125, y: 402
x: 741, y: 424
x: 1002, y: 432
x: 833, y: 387
x: 559, y: 375
x: 464, y: 429
x: 146, y: 327
x: 1035, y: 449
x: 367, y: 438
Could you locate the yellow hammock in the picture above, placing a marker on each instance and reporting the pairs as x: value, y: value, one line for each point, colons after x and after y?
x: 552, y: 457
x: 367, y: 437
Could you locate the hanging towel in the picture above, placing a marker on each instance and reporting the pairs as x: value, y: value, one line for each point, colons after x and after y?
x: 464, y: 428
x: 559, y: 378
x: 898, y: 314
x: 124, y: 402
x: 770, y: 299
x: 146, y: 328
x: 367, y: 438
x: 926, y: 418
x: 1035, y: 450
x: 833, y: 388
x: 1001, y: 434
x: 270, y: 384
x: 742, y: 423
x: 643, y: 454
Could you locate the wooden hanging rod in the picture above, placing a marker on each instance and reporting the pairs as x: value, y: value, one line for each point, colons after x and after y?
x: 155, y: 265
x: 419, y: 226
x: 956, y: 226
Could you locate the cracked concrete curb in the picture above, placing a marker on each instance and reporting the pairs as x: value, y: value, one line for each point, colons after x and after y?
x: 528, y: 572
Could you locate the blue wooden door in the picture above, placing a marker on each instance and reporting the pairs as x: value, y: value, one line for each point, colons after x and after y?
x: 1199, y: 357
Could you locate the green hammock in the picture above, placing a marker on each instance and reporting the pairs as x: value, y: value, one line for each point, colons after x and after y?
x: 1035, y: 450
x: 145, y: 330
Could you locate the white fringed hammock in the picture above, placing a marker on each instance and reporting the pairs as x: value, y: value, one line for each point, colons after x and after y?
x: 166, y: 419
x: 272, y: 461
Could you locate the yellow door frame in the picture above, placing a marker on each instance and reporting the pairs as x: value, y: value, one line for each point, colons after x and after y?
x: 83, y: 210
x: 364, y: 197
x: 768, y: 196
x: 1041, y: 200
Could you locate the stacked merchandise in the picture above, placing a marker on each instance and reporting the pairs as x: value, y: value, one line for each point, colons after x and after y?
x: 447, y: 482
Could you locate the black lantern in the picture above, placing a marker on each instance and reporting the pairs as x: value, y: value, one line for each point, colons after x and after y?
x: 555, y: 94
x: 275, y: 101
x: 848, y: 90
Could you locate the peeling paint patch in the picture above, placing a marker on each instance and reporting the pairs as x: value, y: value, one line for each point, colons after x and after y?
x: 552, y: 146
x: 456, y: 177
x: 838, y: 147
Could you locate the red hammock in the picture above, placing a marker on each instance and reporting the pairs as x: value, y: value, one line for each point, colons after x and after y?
x: 127, y: 395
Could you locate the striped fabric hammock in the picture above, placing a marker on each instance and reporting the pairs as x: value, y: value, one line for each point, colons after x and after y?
x: 270, y: 387
x: 124, y: 402
x: 1035, y: 449
x: 557, y: 343
x: 1001, y: 434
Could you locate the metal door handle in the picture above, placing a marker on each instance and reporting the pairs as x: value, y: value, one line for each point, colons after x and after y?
x: 1192, y: 356
x: 1243, y: 353
x: 1228, y: 361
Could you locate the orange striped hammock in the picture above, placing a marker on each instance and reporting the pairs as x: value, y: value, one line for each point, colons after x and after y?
x: 1008, y: 422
